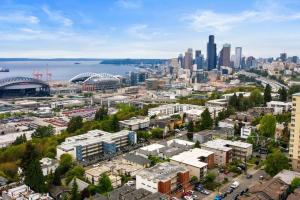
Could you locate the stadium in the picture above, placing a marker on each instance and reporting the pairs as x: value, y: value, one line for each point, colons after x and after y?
x: 96, y: 81
x: 23, y: 87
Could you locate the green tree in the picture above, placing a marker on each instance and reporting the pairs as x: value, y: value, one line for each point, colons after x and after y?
x: 283, y: 94
x: 197, y: 144
x: 57, y: 177
x: 276, y: 162
x: 190, y: 126
x: 101, y: 113
x: 20, y: 140
x: 74, y: 192
x: 76, y: 172
x: 43, y: 131
x: 74, y: 124
x: 65, y: 163
x: 157, y: 133
x: 267, y: 126
x: 233, y: 101
x: 295, y: 184
x: 267, y: 94
x: 114, y: 123
x: 256, y: 98
x: 34, y: 177
x: 104, y: 184
x: 29, y: 155
x: 206, y: 120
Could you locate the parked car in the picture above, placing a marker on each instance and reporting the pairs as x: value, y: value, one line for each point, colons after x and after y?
x: 235, y: 184
x: 205, y: 192
x: 229, y: 191
x: 174, y: 198
x: 187, y: 197
x: 190, y: 192
x: 249, y: 176
x: 218, y: 197
x: 261, y: 178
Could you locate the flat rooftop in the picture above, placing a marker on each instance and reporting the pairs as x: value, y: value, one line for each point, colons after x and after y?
x: 192, y: 157
x: 223, y: 144
x: 152, y: 147
x: 135, y: 120
x: 161, y: 172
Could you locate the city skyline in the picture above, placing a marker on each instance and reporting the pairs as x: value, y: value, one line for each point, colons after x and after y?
x: 135, y: 29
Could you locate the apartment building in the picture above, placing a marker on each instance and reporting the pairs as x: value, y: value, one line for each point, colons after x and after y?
x: 23, y: 192
x: 294, y: 146
x: 135, y: 124
x: 225, y: 150
x: 196, y: 160
x: 279, y: 107
x: 172, y: 109
x: 96, y: 142
x: 163, y: 178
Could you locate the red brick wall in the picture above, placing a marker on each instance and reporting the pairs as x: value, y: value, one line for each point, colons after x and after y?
x: 183, y: 178
x: 164, y: 187
x: 211, y: 161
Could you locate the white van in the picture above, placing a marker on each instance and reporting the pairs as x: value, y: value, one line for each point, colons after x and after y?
x: 235, y: 184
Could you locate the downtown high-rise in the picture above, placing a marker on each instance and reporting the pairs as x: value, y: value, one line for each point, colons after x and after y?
x: 188, y: 59
x: 199, y: 59
x: 211, y: 53
x: 224, y: 57
x: 238, y: 57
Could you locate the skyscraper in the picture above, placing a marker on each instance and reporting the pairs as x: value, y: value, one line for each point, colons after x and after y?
x: 199, y: 59
x: 211, y: 53
x: 224, y: 59
x: 238, y: 57
x: 180, y: 60
x: 188, y: 59
x: 283, y: 57
x: 294, y: 146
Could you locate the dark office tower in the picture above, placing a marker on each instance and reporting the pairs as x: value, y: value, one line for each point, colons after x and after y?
x: 243, y: 62
x: 133, y: 78
x: 295, y: 59
x: 180, y: 60
x: 250, y: 62
x: 199, y: 59
x: 283, y: 57
x: 224, y: 59
x: 211, y: 53
x: 188, y: 59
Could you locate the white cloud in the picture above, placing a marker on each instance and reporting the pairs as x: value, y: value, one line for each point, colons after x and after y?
x: 57, y: 16
x: 129, y: 4
x: 19, y: 17
x: 139, y: 31
x: 267, y: 12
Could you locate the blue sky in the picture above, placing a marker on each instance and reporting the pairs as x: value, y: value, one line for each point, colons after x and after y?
x: 146, y: 28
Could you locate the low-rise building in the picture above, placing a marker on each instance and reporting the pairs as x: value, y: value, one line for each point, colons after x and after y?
x: 195, y: 160
x: 163, y: 178
x: 135, y: 124
x: 225, y: 150
x: 95, y: 173
x: 172, y: 109
x: 279, y: 106
x: 202, y: 136
x: 96, y: 142
x: 246, y: 131
x: 48, y: 165
x: 137, y: 160
x: 23, y: 192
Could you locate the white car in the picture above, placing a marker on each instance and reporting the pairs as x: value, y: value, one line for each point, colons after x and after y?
x: 188, y: 198
x: 235, y: 184
x: 130, y: 183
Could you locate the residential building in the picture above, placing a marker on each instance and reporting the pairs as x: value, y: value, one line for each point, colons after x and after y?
x: 23, y: 192
x: 48, y: 165
x: 163, y: 177
x: 295, y: 195
x: 202, y: 136
x: 294, y: 146
x: 135, y: 123
x: 137, y: 160
x: 287, y: 176
x: 274, y: 189
x: 211, y: 53
x: 172, y: 109
x: 95, y: 143
x: 246, y: 131
x: 195, y: 160
x: 225, y: 150
x: 279, y: 107
x: 93, y: 175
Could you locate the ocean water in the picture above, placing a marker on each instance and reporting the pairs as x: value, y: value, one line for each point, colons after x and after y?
x: 60, y: 70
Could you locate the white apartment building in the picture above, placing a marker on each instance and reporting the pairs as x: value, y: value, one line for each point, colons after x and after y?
x: 172, y: 109
x: 48, y: 165
x: 23, y: 192
x: 135, y: 124
x: 96, y: 142
x: 279, y: 106
x: 246, y: 131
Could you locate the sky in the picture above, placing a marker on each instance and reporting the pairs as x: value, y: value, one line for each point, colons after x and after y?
x: 146, y: 28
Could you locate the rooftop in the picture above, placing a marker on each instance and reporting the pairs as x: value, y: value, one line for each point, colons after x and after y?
x: 152, y: 147
x: 225, y: 144
x: 192, y: 157
x: 287, y: 176
x: 161, y: 172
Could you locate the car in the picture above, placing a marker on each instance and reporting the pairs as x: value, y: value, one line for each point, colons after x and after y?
x: 218, y: 197
x: 235, y: 184
x: 222, y: 170
x: 187, y: 197
x: 194, y: 196
x: 223, y: 195
x: 249, y: 176
x: 130, y: 183
x: 229, y: 191
x: 174, y: 198
x: 236, y: 197
x: 190, y: 192
x: 261, y: 177
x: 204, y: 192
x: 96, y: 165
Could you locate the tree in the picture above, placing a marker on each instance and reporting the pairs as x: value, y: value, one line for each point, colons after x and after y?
x: 74, y: 192
x: 74, y: 124
x: 76, y: 172
x: 295, y: 184
x: 233, y: 101
x: 56, y: 177
x: 283, y: 94
x: 256, y: 98
x: 206, y: 120
x: 197, y: 144
x: 101, y: 113
x: 20, y: 140
x: 65, y: 163
x: 29, y: 155
x: 157, y: 133
x: 190, y: 126
x: 267, y: 126
x: 34, y: 177
x: 43, y: 131
x: 104, y: 184
x: 267, y: 94
x: 276, y: 162
x: 114, y: 123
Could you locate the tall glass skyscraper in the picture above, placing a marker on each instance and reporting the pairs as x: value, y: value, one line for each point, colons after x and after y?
x: 238, y: 57
x: 211, y: 53
x: 224, y: 58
